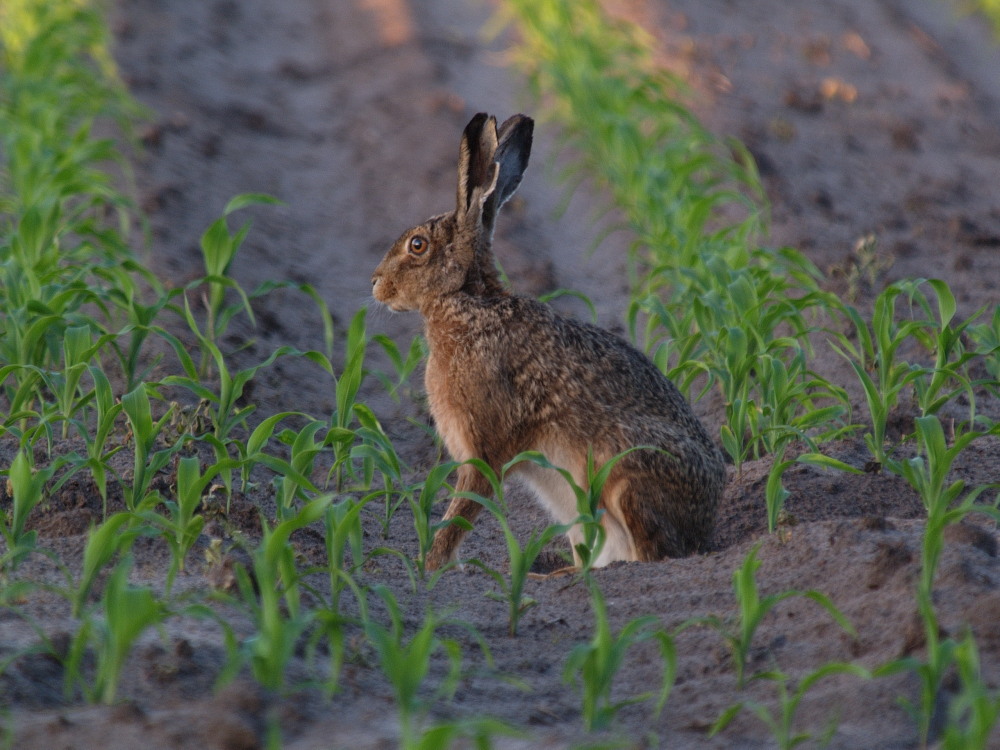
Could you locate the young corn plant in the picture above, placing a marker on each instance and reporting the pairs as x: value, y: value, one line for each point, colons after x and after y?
x: 97, y: 434
x: 140, y: 319
x: 20, y: 386
x: 303, y: 449
x: 368, y: 449
x: 78, y: 350
x: 127, y: 611
x: 521, y: 557
x: 182, y: 524
x: 946, y: 502
x: 112, y: 537
x: 27, y: 489
x: 948, y: 376
x: 406, y: 662
x: 479, y: 730
x: 756, y: 331
x: 987, y: 339
x: 219, y: 248
x: 928, y: 474
x: 781, y: 723
x: 587, y: 533
x: 346, y: 392
x: 403, y: 365
x: 344, y: 533
x: 253, y: 451
x: 593, y: 666
x: 274, y: 603
x: 974, y: 712
x: 775, y: 493
x: 875, y: 361
x: 421, y: 499
x: 145, y: 433
x: 753, y: 609
x: 226, y: 414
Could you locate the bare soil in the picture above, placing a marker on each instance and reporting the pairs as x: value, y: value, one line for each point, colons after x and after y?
x: 865, y: 116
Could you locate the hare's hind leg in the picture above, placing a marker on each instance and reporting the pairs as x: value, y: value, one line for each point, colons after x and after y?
x: 665, y: 520
x: 448, y: 538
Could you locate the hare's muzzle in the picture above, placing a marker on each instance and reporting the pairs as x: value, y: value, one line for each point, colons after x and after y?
x: 382, y: 290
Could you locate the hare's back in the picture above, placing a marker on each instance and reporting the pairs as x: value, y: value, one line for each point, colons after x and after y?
x: 590, y: 370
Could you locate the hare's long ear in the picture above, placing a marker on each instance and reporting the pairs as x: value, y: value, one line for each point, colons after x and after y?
x: 491, y: 163
x: 512, y: 153
x: 477, y: 171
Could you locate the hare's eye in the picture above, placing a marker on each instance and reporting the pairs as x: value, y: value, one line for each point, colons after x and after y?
x: 418, y: 244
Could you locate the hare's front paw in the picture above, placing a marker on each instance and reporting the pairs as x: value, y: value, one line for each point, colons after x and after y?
x: 436, y: 559
x: 441, y: 553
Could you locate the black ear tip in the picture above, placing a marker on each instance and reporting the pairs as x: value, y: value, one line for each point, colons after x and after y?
x: 527, y: 128
x: 476, y: 124
x: 517, y: 129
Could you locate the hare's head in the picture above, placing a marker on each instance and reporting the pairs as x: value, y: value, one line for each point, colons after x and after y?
x: 453, y: 252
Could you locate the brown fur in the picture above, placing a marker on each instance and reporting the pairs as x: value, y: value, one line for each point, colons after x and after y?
x: 507, y: 374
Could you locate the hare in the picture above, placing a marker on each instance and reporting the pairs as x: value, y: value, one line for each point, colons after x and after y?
x: 506, y: 374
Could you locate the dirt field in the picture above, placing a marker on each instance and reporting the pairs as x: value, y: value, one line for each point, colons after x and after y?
x: 865, y: 116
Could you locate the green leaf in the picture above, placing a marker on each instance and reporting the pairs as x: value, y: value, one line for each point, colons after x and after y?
x: 251, y: 199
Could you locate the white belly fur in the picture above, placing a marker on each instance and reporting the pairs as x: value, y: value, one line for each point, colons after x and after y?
x: 557, y: 496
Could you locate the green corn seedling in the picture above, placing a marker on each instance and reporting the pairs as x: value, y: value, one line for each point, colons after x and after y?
x: 373, y: 450
x: 948, y: 376
x: 253, y: 452
x: 344, y: 532
x: 877, y: 352
x: 303, y: 449
x: 225, y: 412
x: 587, y: 529
x: 96, y: 436
x: 521, y: 557
x: 928, y: 475
x: 27, y: 488
x: 593, y: 666
x: 781, y: 723
x: 421, y: 500
x: 775, y: 493
x: 127, y: 612
x: 218, y: 250
x: 112, y: 537
x: 987, y: 339
x: 275, y: 605
x: 479, y: 730
x: 405, y: 662
x: 346, y: 391
x: 148, y: 461
x: 182, y: 525
x: 753, y: 609
x: 404, y: 365
x: 975, y: 711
